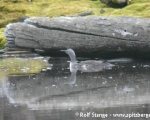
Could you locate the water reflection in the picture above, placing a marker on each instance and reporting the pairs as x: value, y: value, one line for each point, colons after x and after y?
x: 72, y: 79
x: 57, y: 91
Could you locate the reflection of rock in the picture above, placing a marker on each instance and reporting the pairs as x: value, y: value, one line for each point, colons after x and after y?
x: 104, y: 89
x: 72, y: 79
x: 94, y: 66
x: 3, y: 86
x: 128, y: 89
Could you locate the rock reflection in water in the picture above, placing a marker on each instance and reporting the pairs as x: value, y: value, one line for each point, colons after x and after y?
x: 58, y: 91
x: 117, y: 87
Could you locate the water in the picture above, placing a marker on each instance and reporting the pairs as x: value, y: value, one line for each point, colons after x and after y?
x: 37, y: 90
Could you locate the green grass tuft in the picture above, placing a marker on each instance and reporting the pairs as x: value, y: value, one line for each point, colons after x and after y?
x: 21, y: 66
x: 2, y: 38
x: 11, y: 10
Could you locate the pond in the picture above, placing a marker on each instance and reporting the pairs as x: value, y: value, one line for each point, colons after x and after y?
x: 33, y: 87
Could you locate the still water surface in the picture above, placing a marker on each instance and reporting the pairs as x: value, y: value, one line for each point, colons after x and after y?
x: 33, y: 89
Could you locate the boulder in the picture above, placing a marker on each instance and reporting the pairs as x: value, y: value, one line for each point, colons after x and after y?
x: 116, y: 3
x: 92, y: 36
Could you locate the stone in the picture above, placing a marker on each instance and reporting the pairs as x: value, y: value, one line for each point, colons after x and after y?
x: 102, y: 10
x: 2, y: 51
x: 93, y: 36
x: 116, y: 3
x: 22, y: 18
x: 86, y: 13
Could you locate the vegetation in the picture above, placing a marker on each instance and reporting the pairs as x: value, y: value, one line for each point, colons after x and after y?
x: 19, y: 66
x: 11, y: 10
x: 2, y: 38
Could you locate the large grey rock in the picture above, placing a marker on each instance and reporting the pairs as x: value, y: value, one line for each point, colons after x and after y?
x: 88, y: 36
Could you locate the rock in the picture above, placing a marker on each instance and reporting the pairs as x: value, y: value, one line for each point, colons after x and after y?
x: 15, y: 49
x: 102, y: 10
x: 105, y: 1
x: 39, y: 51
x: 119, y: 1
x: 116, y: 3
x: 22, y: 18
x: 93, y: 36
x: 86, y: 13
x: 10, y: 45
x: 2, y: 51
x: 11, y: 42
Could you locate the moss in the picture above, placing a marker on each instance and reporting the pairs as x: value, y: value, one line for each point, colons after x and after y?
x: 11, y: 10
x: 138, y: 9
x: 19, y: 66
x: 2, y: 38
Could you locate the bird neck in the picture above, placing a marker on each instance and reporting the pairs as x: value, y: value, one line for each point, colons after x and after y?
x: 73, y: 57
x: 73, y: 67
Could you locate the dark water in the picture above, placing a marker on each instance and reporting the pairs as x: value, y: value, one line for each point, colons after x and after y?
x: 56, y: 94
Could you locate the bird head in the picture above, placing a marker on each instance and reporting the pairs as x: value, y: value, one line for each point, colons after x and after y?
x: 71, y: 54
x: 68, y: 51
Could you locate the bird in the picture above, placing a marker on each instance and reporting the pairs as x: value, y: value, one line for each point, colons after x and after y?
x: 86, y: 66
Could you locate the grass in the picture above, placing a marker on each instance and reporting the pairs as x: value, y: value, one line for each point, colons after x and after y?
x: 20, y: 66
x: 2, y: 38
x: 11, y: 10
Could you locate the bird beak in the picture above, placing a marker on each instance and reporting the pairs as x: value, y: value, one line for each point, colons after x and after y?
x: 63, y: 50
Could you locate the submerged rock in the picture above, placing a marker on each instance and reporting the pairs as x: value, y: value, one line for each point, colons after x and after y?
x: 92, y: 36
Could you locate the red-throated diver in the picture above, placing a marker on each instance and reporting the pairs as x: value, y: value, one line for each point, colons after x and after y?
x: 86, y: 66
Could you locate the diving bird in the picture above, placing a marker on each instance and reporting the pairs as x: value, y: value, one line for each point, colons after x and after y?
x: 86, y: 66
